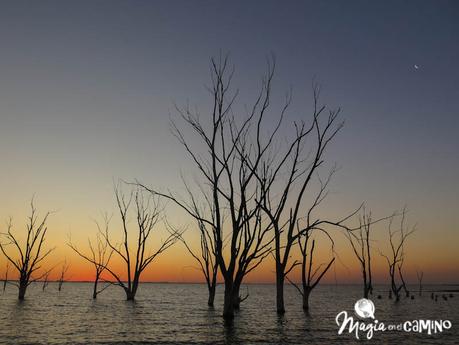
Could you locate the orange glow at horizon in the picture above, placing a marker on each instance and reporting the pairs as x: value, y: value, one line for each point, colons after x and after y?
x: 177, y: 265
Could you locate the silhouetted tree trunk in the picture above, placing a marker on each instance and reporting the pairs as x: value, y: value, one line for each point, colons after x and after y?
x: 407, y: 292
x: 306, y: 293
x: 31, y: 254
x: 237, y: 298
x: 228, y: 300
x: 211, y: 299
x: 280, y: 277
x: 5, y: 280
x: 94, y: 289
x: 22, y: 289
x: 420, y: 276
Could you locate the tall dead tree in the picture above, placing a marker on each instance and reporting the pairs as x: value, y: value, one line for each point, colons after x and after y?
x: 134, y: 253
x: 99, y: 256
x: 395, y: 259
x: 65, y: 267
x: 310, y: 277
x: 29, y: 256
x: 306, y: 226
x: 287, y: 179
x: 231, y: 152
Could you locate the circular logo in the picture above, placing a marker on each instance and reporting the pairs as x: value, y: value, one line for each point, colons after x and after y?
x: 365, y: 308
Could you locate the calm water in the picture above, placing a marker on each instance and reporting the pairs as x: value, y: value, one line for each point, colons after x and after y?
x: 177, y: 313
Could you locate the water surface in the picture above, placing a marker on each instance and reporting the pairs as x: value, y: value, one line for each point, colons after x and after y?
x: 178, y: 314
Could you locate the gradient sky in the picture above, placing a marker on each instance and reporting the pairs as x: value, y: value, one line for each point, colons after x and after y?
x: 87, y: 89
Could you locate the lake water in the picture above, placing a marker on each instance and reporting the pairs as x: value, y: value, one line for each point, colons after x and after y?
x: 178, y: 314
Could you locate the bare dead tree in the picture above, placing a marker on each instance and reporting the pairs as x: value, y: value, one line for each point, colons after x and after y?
x: 5, y: 279
x: 135, y: 254
x: 420, y: 275
x: 29, y: 256
x: 310, y: 277
x: 287, y: 178
x: 207, y: 264
x: 360, y: 242
x: 402, y: 255
x: 395, y: 259
x: 206, y: 255
x: 64, y: 269
x: 233, y: 151
x: 99, y: 255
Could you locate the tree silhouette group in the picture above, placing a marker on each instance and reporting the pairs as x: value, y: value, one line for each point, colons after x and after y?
x: 257, y: 195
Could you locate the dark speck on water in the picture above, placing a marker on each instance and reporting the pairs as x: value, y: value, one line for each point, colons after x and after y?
x: 178, y: 314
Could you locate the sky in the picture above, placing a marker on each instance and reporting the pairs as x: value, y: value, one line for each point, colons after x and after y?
x: 87, y: 91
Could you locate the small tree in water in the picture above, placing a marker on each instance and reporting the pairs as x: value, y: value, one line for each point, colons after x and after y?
x: 136, y: 257
x: 65, y: 268
x: 396, y: 258
x: 360, y: 242
x: 206, y: 256
x: 420, y: 275
x: 45, y: 281
x: 5, y: 280
x: 310, y: 277
x: 29, y: 255
x: 99, y: 257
